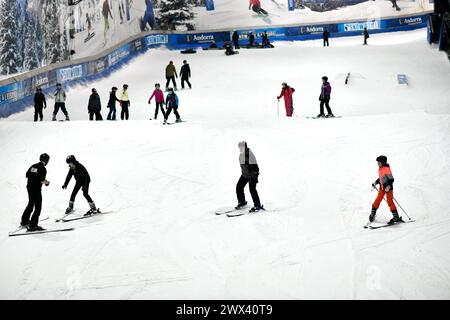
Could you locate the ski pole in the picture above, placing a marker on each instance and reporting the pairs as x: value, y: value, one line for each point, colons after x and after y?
x: 278, y: 108
x: 397, y: 204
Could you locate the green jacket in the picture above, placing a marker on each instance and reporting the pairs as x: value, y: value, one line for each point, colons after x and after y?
x: 171, y: 71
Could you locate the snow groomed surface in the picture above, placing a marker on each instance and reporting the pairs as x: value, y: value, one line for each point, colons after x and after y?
x: 164, y: 241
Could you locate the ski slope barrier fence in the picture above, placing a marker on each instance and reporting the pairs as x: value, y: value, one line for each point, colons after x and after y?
x: 16, y: 93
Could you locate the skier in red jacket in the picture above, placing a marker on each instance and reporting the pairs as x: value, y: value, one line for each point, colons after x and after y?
x: 255, y: 5
x: 386, y: 182
x: 286, y: 93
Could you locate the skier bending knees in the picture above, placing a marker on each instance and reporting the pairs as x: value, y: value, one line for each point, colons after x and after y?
x: 82, y: 181
x: 250, y: 172
x: 255, y: 5
x: 386, y: 182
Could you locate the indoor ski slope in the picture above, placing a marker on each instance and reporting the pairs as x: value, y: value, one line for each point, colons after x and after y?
x: 163, y: 183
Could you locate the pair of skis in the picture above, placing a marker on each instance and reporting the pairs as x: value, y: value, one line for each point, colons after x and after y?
x: 233, y: 212
x: 323, y: 117
x: 26, y: 232
x: 372, y: 227
x: 62, y: 219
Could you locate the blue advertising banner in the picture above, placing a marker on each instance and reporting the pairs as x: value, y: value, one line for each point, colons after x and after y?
x: 199, y: 38
x: 291, y: 5
x: 209, y: 5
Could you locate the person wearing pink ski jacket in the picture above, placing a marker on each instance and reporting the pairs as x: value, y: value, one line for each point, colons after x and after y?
x: 159, y: 99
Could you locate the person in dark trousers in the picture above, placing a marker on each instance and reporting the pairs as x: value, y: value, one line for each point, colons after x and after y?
x: 82, y: 181
x: 394, y: 5
x: 185, y: 74
x: 326, y: 36
x: 324, y: 98
x: 229, y: 49
x: 386, y: 182
x: 250, y: 173
x: 39, y: 104
x: 366, y: 36
x: 124, y: 103
x: 251, y: 39
x: 171, y: 73
x: 235, y: 38
x: 265, y: 40
x: 172, y: 104
x: 94, y: 106
x: 112, y: 104
x: 36, y: 176
x: 159, y: 99
x: 60, y: 102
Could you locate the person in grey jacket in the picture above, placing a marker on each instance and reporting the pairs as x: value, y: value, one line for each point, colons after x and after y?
x: 60, y: 102
x: 94, y: 106
x: 250, y: 173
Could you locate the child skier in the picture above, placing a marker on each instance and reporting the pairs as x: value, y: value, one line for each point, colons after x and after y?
x: 386, y: 182
x: 255, y: 5
x: 250, y: 173
x: 36, y: 176
x: 286, y: 93
x: 82, y: 181
x: 159, y: 99
x: 172, y: 104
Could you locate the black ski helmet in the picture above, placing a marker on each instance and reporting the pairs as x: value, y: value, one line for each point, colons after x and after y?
x: 44, y: 158
x: 125, y: 86
x: 382, y: 159
x: 325, y: 78
x: 71, y: 159
x: 114, y: 89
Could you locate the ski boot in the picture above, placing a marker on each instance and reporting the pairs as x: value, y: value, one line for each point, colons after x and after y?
x: 256, y: 209
x: 69, y: 208
x: 321, y: 115
x: 24, y: 224
x: 35, y: 228
x: 54, y: 117
x: 395, y: 218
x: 67, y: 117
x: 330, y: 115
x: 178, y: 120
x: 93, y: 210
x: 241, y: 205
x: 372, y: 214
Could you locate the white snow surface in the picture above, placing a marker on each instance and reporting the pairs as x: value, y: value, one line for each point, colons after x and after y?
x: 163, y: 183
x: 235, y: 13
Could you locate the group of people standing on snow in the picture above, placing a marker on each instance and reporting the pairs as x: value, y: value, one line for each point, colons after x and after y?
x: 324, y: 98
x: 122, y: 97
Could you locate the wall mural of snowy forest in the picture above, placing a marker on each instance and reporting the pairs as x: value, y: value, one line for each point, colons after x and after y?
x: 36, y: 33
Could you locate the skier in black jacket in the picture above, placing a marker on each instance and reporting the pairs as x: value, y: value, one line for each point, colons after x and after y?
x: 39, y: 104
x: 36, y: 176
x: 82, y: 181
x: 366, y: 36
x: 235, y: 38
x: 326, y: 36
x: 185, y: 74
x: 94, y: 106
x: 112, y: 104
x: 250, y: 173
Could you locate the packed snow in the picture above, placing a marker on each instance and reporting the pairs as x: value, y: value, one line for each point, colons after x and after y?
x: 162, y: 239
x: 235, y: 13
